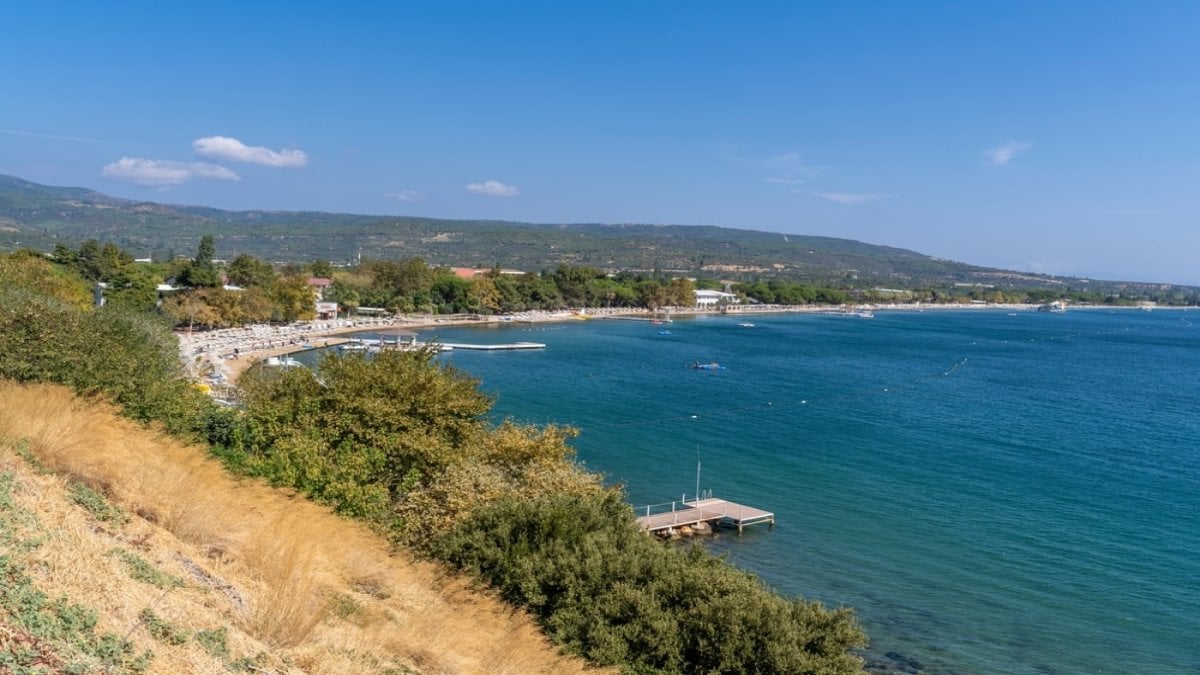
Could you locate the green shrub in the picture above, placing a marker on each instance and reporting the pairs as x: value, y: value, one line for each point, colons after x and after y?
x: 67, y: 628
x: 214, y: 642
x: 132, y: 358
x: 94, y: 503
x: 162, y: 630
x: 610, y: 593
x: 19, y: 528
x: 140, y: 569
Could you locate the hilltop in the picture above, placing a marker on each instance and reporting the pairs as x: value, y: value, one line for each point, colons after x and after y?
x: 40, y: 216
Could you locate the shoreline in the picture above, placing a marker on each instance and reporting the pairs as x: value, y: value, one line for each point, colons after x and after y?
x: 216, y: 358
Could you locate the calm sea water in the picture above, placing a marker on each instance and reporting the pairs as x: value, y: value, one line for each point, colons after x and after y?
x: 992, y: 492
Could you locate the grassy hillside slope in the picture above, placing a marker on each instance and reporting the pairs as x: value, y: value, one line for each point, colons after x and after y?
x: 125, y: 550
x: 40, y: 216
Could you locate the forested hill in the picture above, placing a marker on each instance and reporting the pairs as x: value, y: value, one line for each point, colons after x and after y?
x: 39, y: 216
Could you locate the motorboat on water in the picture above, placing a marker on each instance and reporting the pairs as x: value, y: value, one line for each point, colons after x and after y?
x: 707, y: 366
x: 746, y: 324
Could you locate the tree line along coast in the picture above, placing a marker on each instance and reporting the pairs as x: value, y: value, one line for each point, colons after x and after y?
x: 205, y: 292
x: 402, y: 443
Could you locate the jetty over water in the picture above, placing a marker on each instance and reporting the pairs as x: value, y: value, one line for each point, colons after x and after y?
x: 712, y: 511
x: 511, y: 346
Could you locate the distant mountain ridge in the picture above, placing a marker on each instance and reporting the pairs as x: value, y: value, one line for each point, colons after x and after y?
x: 40, y: 216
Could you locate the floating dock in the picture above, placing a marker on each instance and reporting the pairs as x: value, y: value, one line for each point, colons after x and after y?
x: 494, y: 348
x: 712, y: 511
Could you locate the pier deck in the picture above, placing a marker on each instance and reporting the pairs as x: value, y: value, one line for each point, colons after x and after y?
x: 494, y: 348
x: 711, y: 510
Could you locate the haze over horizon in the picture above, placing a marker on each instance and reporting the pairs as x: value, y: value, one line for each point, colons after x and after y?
x: 1038, y: 137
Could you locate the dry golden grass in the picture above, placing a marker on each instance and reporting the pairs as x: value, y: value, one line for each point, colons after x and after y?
x: 313, y: 591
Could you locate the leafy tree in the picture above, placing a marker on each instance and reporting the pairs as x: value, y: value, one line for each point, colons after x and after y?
x: 65, y: 255
x: 652, y: 294
x: 248, y: 272
x: 206, y: 251
x: 88, y: 262
x: 294, y: 299
x: 483, y: 295
x: 681, y: 293
x: 202, y: 273
x: 450, y: 294
x: 191, y: 308
x: 541, y: 292
x: 321, y: 268
x: 346, y: 297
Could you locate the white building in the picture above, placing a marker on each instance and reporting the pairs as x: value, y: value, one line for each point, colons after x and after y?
x: 708, y: 299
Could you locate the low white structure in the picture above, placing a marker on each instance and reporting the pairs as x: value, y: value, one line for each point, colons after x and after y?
x: 327, y: 310
x: 714, y: 298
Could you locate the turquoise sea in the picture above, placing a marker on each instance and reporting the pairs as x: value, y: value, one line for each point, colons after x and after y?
x: 993, y: 492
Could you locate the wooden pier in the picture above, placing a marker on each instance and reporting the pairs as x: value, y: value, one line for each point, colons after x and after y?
x: 712, y: 511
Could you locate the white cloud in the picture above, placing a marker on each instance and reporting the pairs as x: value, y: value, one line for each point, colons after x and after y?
x: 849, y: 197
x: 223, y: 147
x: 493, y: 188
x: 160, y: 173
x: 405, y: 196
x: 1002, y: 155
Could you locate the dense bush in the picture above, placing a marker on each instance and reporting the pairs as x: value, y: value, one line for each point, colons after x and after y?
x: 612, y: 594
x: 401, y: 439
x: 130, y: 357
x: 390, y: 438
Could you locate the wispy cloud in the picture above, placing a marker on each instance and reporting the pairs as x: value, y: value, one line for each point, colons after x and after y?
x: 849, y: 197
x: 493, y: 188
x: 783, y: 168
x: 224, y: 147
x: 405, y: 196
x: 57, y: 137
x: 1002, y: 155
x: 783, y: 159
x: 163, y: 173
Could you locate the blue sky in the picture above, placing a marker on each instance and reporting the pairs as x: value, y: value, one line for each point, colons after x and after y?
x: 1039, y: 136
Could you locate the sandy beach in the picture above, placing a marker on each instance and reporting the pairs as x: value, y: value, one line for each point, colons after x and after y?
x: 217, y: 357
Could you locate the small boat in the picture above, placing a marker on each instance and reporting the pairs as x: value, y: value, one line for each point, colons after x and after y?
x: 707, y: 366
x: 746, y: 324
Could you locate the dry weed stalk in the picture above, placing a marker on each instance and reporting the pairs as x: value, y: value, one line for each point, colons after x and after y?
x: 297, y: 559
